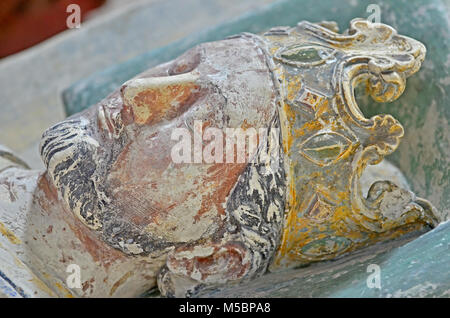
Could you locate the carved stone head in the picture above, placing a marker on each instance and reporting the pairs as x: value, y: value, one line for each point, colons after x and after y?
x: 113, y: 163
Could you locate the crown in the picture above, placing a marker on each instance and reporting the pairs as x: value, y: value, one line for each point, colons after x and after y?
x: 328, y: 142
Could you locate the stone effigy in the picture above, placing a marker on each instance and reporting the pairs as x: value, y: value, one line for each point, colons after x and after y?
x: 133, y: 201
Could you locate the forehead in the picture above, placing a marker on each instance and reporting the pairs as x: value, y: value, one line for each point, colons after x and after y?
x: 233, y: 55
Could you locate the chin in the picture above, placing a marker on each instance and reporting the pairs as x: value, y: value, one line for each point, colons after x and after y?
x: 70, y: 154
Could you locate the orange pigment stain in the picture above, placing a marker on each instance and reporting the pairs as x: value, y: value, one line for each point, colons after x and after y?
x: 154, y: 105
x: 222, y: 177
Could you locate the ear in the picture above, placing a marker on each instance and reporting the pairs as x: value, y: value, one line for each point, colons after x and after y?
x: 154, y: 99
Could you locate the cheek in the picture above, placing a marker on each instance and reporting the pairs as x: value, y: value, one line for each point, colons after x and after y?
x: 133, y: 181
x: 145, y: 158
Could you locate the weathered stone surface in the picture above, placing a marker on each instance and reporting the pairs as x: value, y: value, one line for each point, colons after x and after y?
x: 425, y: 163
x: 114, y: 200
x: 109, y: 169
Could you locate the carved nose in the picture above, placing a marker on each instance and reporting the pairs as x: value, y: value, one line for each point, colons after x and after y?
x: 154, y: 99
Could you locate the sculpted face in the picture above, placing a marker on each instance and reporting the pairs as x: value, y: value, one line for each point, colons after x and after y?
x: 114, y: 169
x: 112, y: 163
